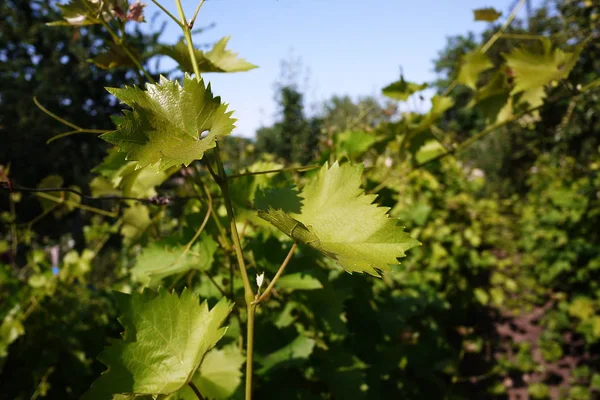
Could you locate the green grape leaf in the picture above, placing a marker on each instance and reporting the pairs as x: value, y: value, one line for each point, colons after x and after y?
x: 136, y: 219
x: 166, y: 337
x: 298, y: 281
x: 113, y: 57
x: 299, y: 349
x: 472, y: 64
x: 353, y: 143
x: 169, y: 122
x: 219, y: 59
x: 488, y: 14
x: 429, y: 150
x: 338, y: 219
x: 493, y: 98
x: 10, y: 330
x: 220, y: 373
x: 532, y: 70
x: 80, y: 13
x: 121, y: 177
x: 402, y: 90
x: 439, y: 105
x: 163, y: 258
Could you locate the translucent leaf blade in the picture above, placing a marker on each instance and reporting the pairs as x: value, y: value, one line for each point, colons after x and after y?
x: 166, y: 336
x: 170, y: 124
x: 338, y: 219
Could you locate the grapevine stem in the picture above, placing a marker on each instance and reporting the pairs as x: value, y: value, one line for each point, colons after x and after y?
x: 274, y: 171
x: 77, y: 205
x: 169, y: 14
x: 277, y: 275
x: 221, y: 180
x: 504, y: 26
x: 187, y: 34
x: 251, y: 309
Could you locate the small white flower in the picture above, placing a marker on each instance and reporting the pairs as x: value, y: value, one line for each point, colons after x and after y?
x: 388, y: 162
x: 260, y: 279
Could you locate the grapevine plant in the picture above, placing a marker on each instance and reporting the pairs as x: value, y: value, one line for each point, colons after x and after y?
x: 171, y: 124
x: 175, y: 129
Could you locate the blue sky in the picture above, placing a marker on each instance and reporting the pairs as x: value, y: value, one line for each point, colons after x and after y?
x: 346, y: 47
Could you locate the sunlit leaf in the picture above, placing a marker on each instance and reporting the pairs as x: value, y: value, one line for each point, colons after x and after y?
x: 429, y: 151
x: 170, y: 124
x: 439, y: 105
x: 402, y: 90
x: 472, y: 64
x: 338, y: 219
x: 166, y: 337
x: 219, y: 59
x: 532, y: 70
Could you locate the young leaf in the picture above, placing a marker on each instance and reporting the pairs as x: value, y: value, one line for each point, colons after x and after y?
x: 533, y: 70
x: 473, y: 63
x: 338, y: 219
x: 401, y: 90
x: 486, y: 14
x: 165, y: 340
x: 169, y: 122
x: 219, y: 59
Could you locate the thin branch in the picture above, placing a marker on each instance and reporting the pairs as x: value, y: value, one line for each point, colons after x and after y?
x: 277, y: 275
x: 187, y: 34
x: 212, y: 280
x: 224, y: 184
x: 273, y: 171
x: 76, y: 129
x: 196, y: 391
x: 189, y: 245
x: 191, y: 23
x: 174, y: 18
x: 77, y: 205
x: 504, y: 26
x: 155, y: 200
